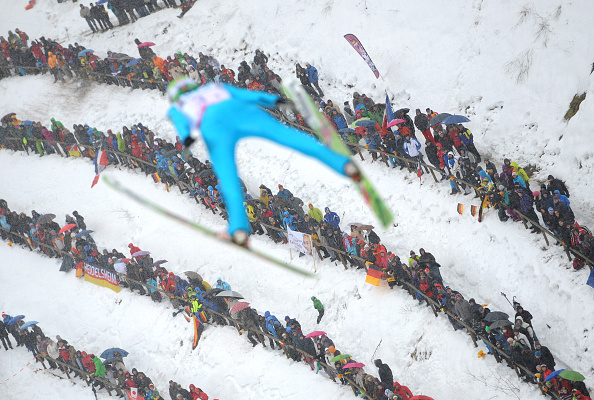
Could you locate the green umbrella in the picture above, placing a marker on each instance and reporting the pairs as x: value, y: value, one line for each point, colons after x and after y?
x: 340, y: 357
x: 572, y: 375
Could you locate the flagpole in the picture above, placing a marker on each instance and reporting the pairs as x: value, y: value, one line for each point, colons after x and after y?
x: 313, y: 254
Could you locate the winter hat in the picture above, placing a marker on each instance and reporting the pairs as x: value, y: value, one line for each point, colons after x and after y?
x: 332, y: 349
x: 557, y: 192
x: 3, y: 314
x: 313, y: 297
x: 289, y: 329
x: 536, y: 193
x: 412, y: 252
x: 537, y: 354
x: 550, y: 178
x: 286, y: 213
x: 550, y: 209
x: 287, y: 317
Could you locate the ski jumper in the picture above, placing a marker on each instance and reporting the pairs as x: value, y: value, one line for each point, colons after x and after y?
x: 224, y: 115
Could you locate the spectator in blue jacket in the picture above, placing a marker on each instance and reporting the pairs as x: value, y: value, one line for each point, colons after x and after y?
x: 221, y: 284
x: 518, y: 179
x: 338, y: 120
x: 283, y: 193
x: 562, y: 198
x: 330, y: 217
x: 312, y: 74
x: 272, y: 323
x: 289, y: 221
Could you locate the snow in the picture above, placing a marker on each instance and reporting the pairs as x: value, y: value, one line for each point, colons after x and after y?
x: 455, y: 57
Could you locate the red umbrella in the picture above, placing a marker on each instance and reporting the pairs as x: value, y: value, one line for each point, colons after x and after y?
x: 125, y: 260
x: 240, y: 306
x: 420, y: 397
x: 66, y: 228
x: 394, y: 122
x: 146, y: 44
x: 354, y: 365
x: 315, y: 333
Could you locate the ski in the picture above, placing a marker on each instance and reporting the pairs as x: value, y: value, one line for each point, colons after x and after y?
x: 207, y: 231
x: 327, y: 134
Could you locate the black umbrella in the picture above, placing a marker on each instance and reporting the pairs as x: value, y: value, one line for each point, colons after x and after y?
x: 214, y: 292
x: 499, y: 324
x: 438, y: 118
x: 45, y: 219
x: 230, y: 293
x: 193, y: 275
x: 402, y: 110
x: 496, y: 316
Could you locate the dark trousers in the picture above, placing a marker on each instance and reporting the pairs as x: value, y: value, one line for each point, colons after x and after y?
x: 4, y: 341
x: 320, y: 315
x: 319, y: 90
x: 91, y: 23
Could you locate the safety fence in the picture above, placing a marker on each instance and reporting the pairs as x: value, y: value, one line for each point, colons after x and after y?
x: 161, y: 85
x: 239, y: 325
x: 436, y: 308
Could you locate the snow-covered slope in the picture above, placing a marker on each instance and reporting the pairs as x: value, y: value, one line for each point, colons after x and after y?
x: 449, y: 56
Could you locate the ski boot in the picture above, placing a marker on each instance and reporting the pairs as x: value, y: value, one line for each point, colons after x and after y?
x: 240, y: 237
x: 352, y: 171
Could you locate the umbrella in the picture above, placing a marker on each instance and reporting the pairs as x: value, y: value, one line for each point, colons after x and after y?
x: 156, y: 263
x: 45, y: 218
x: 395, y: 122
x: 354, y: 365
x: 571, y: 375
x: 402, y: 110
x: 193, y: 275
x: 315, y: 333
x: 339, y: 357
x: 84, y: 52
x: 214, y: 291
x: 420, y: 397
x: 146, y: 44
x: 553, y: 374
x: 438, y: 118
x: 230, y: 293
x: 360, y: 106
x: 102, y: 1
x: 66, y: 228
x: 27, y: 122
x: 500, y: 323
x: 240, y: 306
x: 120, y: 267
x: 109, y: 353
x: 133, y: 62
x: 365, y: 122
x: 124, y: 260
x: 495, y: 316
x: 455, y: 119
x: 28, y: 324
x: 13, y: 320
x: 83, y: 233
x: 7, y: 117
x: 141, y: 253
x: 346, y: 130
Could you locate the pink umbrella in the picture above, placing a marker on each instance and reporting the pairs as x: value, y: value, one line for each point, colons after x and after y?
x: 125, y: 260
x: 66, y: 228
x: 354, y: 365
x: 315, y: 333
x: 421, y: 397
x: 141, y: 253
x: 240, y: 306
x: 146, y: 44
x: 395, y: 121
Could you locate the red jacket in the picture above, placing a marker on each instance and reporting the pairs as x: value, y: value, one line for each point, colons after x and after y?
x: 88, y: 363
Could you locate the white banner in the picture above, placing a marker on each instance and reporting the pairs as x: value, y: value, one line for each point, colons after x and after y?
x: 300, y: 241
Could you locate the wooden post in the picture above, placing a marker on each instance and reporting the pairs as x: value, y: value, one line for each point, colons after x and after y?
x: 544, y: 234
x: 433, y: 174
x: 567, y: 251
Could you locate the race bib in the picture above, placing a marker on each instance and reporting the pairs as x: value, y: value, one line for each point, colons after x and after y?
x: 197, y: 103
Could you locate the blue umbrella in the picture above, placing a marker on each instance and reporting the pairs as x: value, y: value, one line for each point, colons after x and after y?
x: 365, y: 122
x: 347, y: 130
x: 360, y: 106
x: 83, y: 233
x: 109, y: 352
x: 455, y: 119
x: 84, y: 52
x: 133, y: 62
x: 553, y: 374
x: 438, y: 119
x: 28, y: 324
x: 13, y: 320
x: 102, y: 1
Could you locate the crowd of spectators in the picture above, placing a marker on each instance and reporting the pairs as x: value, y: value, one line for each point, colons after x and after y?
x: 113, y: 369
x: 450, y: 149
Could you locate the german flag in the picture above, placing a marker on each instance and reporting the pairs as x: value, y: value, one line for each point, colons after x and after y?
x: 460, y: 208
x: 196, y: 334
x: 156, y: 177
x: 473, y: 210
x: 374, y: 273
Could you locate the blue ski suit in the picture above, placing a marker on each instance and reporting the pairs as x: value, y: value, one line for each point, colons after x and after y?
x: 225, y: 114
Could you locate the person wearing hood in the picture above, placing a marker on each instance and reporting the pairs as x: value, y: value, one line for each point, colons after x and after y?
x: 555, y: 184
x: 289, y: 221
x: 319, y: 307
x: 221, y: 284
x: 422, y: 124
x: 331, y: 217
x: 385, y: 373
x: 315, y: 213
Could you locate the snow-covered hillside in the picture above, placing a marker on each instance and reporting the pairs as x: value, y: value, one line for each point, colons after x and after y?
x: 456, y: 57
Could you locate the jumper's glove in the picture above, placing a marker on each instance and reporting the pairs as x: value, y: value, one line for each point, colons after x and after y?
x: 189, y: 140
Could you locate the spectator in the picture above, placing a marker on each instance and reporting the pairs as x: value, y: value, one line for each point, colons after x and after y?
x: 312, y: 75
